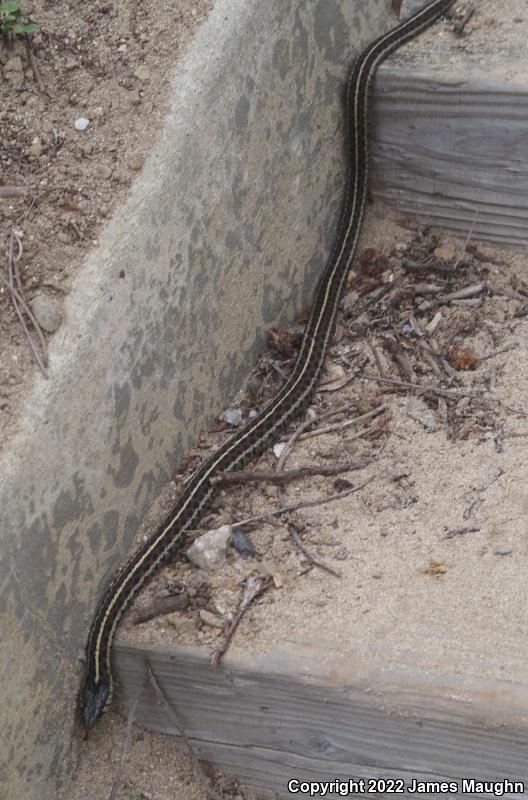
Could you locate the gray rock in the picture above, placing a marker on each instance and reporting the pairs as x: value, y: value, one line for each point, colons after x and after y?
x: 14, y: 64
x: 233, y: 417
x: 208, y: 618
x: 504, y: 550
x: 47, y: 311
x: 209, y: 550
x: 142, y: 73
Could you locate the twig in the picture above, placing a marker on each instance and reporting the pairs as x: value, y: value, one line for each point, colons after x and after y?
x: 13, y: 191
x: 500, y: 351
x: 458, y: 27
x: 451, y: 394
x: 477, y: 498
x: 159, y: 606
x: 294, y: 533
x: 291, y: 526
x: 20, y: 304
x: 505, y: 292
x: 418, y: 266
x: 470, y: 232
x: 285, y: 476
x: 319, y: 501
x: 255, y: 586
x: 337, y: 426
x: 460, y: 294
x: 34, y: 66
x: 460, y: 531
x: 198, y: 771
x: 118, y: 778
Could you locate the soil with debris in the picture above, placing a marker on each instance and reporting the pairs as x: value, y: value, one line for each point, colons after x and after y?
x: 73, y: 134
x: 418, y: 557
x: 493, y: 34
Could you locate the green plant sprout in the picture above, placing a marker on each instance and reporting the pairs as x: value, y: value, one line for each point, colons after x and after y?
x: 10, y: 24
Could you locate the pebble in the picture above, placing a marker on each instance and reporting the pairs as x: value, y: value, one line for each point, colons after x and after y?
x: 181, y: 624
x: 81, y: 123
x: 209, y: 550
x: 504, y: 550
x: 14, y: 64
x: 16, y: 79
x: 47, y: 312
x: 445, y: 253
x: 134, y: 98
x: 102, y: 171
x: 233, y: 416
x: 142, y: 73
x: 279, y: 580
x: 278, y: 449
x: 136, y: 164
x: 208, y: 618
x: 243, y: 545
x: 35, y: 151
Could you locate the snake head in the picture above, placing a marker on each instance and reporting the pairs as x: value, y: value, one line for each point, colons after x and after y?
x: 95, y: 698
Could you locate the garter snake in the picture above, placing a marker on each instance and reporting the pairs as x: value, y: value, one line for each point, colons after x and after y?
x: 291, y: 399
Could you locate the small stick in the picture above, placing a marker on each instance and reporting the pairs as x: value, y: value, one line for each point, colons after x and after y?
x: 311, y: 416
x: 278, y: 478
x: 337, y: 426
x: 13, y: 191
x: 499, y: 352
x: 505, y: 292
x: 458, y: 27
x: 470, y: 234
x: 198, y: 771
x: 401, y: 359
x: 255, y: 586
x: 319, y: 501
x: 375, y: 353
x: 477, y: 498
x: 291, y: 527
x: 34, y: 66
x: 159, y: 606
x: 460, y: 294
x: 418, y: 266
x: 460, y: 531
x: 20, y: 304
x: 306, y: 553
x: 452, y: 394
x: 124, y: 750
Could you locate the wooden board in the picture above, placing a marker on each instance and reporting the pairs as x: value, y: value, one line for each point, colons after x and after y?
x: 453, y: 152
x: 271, y: 720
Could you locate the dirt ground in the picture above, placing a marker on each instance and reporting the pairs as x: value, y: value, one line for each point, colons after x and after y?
x: 108, y: 63
x: 425, y: 534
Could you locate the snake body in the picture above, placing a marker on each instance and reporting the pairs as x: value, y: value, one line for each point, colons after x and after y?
x: 291, y: 399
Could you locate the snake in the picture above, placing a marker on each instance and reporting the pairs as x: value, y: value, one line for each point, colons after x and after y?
x: 295, y: 394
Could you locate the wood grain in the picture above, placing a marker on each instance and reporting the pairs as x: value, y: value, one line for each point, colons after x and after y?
x: 267, y: 723
x: 454, y: 152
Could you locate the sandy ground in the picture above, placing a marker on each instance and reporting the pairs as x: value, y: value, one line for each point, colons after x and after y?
x: 430, y: 553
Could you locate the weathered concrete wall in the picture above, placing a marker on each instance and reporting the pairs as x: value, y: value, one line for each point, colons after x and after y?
x: 223, y: 234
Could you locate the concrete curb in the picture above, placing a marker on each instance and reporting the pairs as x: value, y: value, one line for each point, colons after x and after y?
x: 223, y: 233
